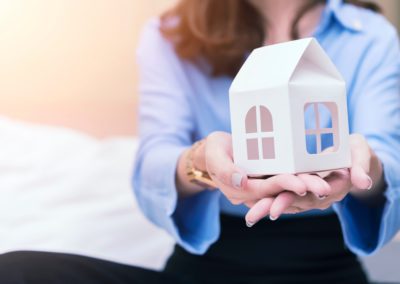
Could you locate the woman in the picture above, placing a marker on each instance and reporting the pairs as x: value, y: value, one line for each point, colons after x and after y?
x: 187, y: 61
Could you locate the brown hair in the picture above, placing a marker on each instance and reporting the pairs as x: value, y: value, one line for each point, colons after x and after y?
x: 223, y: 31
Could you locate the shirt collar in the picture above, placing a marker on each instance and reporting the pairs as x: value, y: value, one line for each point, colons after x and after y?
x: 346, y: 15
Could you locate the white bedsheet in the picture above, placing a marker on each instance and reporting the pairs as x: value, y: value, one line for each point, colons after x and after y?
x: 63, y: 191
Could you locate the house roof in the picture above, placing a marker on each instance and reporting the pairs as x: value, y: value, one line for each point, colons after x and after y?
x: 279, y: 64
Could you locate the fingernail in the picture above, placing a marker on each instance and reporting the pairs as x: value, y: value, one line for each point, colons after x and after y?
x: 249, y: 224
x: 322, y: 197
x: 370, y: 183
x: 237, y: 180
x: 303, y: 194
x: 272, y: 218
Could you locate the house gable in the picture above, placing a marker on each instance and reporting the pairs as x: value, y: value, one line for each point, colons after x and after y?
x: 315, y: 67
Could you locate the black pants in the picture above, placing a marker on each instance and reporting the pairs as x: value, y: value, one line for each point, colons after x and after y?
x: 300, y: 250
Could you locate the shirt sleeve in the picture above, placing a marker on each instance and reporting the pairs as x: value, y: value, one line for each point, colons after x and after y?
x: 374, y: 111
x: 166, y: 127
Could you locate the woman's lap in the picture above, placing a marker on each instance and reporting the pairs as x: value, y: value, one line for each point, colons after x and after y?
x: 27, y: 267
x: 289, y: 250
x: 309, y: 250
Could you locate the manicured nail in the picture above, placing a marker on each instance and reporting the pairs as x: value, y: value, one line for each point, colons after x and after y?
x: 370, y: 183
x: 237, y: 180
x: 249, y: 224
x: 272, y: 218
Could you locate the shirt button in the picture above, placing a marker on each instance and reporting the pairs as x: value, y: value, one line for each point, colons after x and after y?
x: 357, y: 25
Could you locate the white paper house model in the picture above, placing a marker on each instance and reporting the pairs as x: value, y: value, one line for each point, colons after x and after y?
x: 288, y: 105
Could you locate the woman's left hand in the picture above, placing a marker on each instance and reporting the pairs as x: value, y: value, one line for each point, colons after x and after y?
x: 366, y: 170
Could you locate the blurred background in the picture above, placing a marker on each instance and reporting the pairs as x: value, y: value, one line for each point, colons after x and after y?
x: 67, y: 78
x: 71, y: 62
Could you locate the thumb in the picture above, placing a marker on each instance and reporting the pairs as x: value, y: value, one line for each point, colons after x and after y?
x: 361, y: 159
x: 219, y: 161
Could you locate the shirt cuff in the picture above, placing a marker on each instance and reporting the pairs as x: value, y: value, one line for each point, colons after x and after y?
x: 367, y: 228
x: 193, y: 221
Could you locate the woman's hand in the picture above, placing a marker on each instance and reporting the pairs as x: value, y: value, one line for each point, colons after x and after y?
x: 216, y: 158
x: 365, y: 171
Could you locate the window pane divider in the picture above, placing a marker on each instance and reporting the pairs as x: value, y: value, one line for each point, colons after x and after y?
x: 259, y: 135
x: 319, y: 131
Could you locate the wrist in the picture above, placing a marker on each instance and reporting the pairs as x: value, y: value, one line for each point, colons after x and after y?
x: 191, y: 176
x: 184, y: 186
x: 196, y: 166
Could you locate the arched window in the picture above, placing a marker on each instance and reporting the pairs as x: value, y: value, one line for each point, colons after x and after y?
x: 321, y: 127
x: 259, y: 134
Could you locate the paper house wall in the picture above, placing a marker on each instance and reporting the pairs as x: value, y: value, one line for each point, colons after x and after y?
x: 276, y: 88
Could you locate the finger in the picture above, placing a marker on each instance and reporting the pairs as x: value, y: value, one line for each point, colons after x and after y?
x: 236, y: 201
x: 250, y: 203
x: 276, y: 184
x: 360, y: 159
x: 258, y: 211
x: 280, y: 204
x: 293, y: 210
x: 199, y: 155
x: 319, y: 187
x: 235, y: 196
x: 339, y: 182
x: 219, y: 162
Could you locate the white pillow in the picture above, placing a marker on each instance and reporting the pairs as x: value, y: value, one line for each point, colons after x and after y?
x: 64, y: 191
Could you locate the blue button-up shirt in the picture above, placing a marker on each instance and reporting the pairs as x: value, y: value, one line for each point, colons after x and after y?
x: 181, y: 103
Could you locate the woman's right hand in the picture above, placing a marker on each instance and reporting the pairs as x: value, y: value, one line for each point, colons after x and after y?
x: 217, y: 158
